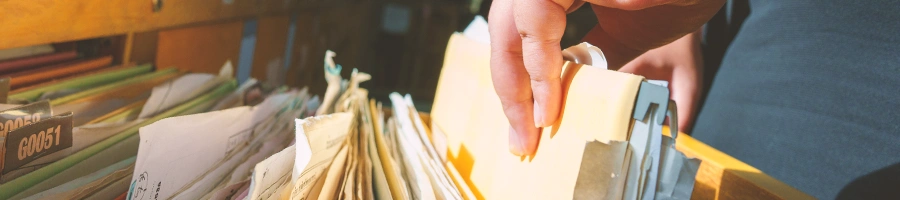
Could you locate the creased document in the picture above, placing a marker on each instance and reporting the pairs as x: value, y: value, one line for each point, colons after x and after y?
x: 272, y: 173
x: 325, y: 136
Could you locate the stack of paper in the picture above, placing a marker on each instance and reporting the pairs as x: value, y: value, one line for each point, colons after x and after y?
x: 78, y: 138
x: 345, y: 152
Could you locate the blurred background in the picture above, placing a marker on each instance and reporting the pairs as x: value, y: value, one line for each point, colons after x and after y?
x: 400, y: 43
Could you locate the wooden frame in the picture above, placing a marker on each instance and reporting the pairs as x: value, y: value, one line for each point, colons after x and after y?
x: 28, y: 22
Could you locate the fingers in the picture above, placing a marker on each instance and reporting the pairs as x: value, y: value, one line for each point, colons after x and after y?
x: 511, y: 80
x: 541, y: 25
x: 526, y: 62
x: 526, y: 69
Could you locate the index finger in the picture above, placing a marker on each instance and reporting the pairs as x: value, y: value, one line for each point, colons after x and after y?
x: 511, y: 81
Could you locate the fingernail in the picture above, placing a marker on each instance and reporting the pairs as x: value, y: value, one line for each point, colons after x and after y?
x: 516, y: 143
x: 538, y: 115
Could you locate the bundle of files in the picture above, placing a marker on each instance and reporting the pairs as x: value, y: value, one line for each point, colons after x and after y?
x: 79, y: 137
x: 132, y: 133
x: 350, y: 151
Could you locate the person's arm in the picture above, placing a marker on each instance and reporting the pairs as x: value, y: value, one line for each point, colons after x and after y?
x: 526, y: 57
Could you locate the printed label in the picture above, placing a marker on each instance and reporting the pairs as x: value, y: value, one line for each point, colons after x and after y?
x: 18, y: 117
x: 28, y: 143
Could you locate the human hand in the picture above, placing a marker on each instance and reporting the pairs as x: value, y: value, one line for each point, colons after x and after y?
x: 681, y: 64
x: 526, y: 58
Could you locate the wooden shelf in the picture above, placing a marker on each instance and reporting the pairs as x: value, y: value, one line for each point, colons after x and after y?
x: 32, y: 22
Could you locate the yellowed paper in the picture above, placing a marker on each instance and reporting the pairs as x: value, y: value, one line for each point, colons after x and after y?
x: 272, y: 172
x: 333, y: 91
x: 334, y: 175
x: 324, y: 135
x: 392, y: 177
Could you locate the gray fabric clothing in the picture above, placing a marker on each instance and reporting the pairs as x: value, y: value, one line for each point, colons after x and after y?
x: 809, y: 92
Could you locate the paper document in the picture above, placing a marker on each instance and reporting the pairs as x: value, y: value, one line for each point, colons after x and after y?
x: 325, y: 136
x: 271, y: 173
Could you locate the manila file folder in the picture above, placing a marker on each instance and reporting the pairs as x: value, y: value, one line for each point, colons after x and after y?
x: 606, y: 144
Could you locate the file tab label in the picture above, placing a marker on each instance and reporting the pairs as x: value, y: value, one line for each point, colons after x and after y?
x: 30, y: 142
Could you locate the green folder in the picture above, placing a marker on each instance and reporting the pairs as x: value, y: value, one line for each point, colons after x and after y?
x: 84, y: 82
x: 105, y: 88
